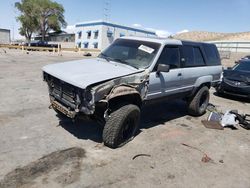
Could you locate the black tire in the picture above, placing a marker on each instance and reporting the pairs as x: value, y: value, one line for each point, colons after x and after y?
x: 121, y: 126
x: 198, y: 105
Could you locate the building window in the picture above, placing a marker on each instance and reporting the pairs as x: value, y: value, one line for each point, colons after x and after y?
x: 95, y: 44
x: 79, y: 35
x: 88, y: 34
x: 85, y: 44
x: 96, y: 33
x: 109, y: 33
x: 122, y: 34
x: 79, y: 45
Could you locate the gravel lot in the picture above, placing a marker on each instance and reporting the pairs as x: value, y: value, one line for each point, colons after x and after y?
x: 37, y: 149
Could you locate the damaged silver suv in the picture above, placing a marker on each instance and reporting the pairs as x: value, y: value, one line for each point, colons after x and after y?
x: 113, y: 87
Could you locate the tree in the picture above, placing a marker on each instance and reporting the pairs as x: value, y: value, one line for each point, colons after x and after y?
x: 27, y: 18
x: 40, y: 16
x: 50, y: 16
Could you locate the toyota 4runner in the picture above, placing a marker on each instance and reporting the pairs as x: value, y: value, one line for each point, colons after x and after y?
x: 113, y: 87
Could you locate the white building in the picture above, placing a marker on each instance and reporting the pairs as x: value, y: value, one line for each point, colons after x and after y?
x: 100, y: 34
x: 4, y: 36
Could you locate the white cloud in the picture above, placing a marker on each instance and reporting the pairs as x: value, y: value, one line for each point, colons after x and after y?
x: 160, y: 33
x: 163, y: 33
x: 70, y: 29
x: 183, y: 31
x: 137, y: 25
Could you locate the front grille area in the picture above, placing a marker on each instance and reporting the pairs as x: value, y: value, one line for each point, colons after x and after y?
x: 235, y: 83
x: 62, y: 91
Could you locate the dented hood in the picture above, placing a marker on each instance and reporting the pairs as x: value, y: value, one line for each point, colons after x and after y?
x: 240, y: 76
x: 82, y: 73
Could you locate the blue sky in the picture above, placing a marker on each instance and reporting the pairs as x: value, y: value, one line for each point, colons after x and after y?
x: 166, y: 15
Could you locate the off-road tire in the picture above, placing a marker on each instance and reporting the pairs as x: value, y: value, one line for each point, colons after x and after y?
x: 114, y: 132
x: 198, y: 104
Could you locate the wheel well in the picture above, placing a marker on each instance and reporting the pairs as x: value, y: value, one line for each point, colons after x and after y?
x: 208, y: 84
x: 125, y: 99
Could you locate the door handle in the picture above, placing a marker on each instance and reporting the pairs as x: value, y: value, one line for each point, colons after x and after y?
x: 179, y: 74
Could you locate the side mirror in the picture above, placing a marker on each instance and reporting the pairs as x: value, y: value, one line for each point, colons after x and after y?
x: 229, y: 68
x: 163, y: 68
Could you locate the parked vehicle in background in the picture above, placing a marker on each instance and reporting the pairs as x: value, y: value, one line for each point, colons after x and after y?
x: 246, y: 57
x: 113, y: 87
x: 236, y: 80
x: 41, y: 44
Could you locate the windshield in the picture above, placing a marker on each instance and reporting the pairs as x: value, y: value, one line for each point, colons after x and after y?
x: 138, y: 54
x: 243, y: 66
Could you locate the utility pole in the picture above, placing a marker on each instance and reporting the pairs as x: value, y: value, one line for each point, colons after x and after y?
x: 106, y: 10
x: 13, y: 32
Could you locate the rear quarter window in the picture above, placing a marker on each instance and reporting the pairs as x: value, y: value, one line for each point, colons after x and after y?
x: 193, y: 56
x: 212, y: 54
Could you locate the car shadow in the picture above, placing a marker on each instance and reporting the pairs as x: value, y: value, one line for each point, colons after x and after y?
x: 162, y: 111
x: 82, y: 129
x: 232, y: 97
x: 152, y: 115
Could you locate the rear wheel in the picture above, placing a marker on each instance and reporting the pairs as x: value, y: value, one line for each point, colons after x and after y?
x: 121, y: 126
x: 198, y: 104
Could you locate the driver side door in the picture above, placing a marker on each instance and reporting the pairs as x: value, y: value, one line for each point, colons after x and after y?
x: 163, y: 84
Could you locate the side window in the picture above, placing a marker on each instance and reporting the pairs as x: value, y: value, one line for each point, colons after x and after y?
x: 170, y: 56
x: 199, y: 60
x: 211, y: 54
x: 188, y: 54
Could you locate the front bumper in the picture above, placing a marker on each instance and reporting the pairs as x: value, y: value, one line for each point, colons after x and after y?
x: 57, y: 106
x: 234, y: 89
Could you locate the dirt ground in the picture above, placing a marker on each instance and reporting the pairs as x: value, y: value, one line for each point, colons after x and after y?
x: 37, y: 149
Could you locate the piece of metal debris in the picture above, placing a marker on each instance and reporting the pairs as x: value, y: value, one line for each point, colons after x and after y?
x: 141, y: 155
x: 212, y: 124
x: 205, y: 158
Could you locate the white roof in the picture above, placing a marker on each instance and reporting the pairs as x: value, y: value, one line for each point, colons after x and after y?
x: 113, y: 23
x: 162, y: 41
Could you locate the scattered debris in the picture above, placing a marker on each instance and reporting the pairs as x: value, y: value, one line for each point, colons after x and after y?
x: 211, y: 107
x: 141, y: 155
x: 212, y: 124
x: 231, y: 118
x: 243, y: 121
x: 87, y: 54
x: 205, y: 157
x: 214, y: 116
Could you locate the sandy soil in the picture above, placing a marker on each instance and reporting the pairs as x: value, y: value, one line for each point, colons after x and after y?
x: 38, y: 149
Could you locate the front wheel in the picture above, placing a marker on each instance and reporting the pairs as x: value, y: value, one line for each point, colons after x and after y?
x: 198, y: 105
x: 121, y: 126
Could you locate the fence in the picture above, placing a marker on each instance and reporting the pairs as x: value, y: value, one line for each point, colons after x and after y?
x: 233, y: 46
x: 54, y: 50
